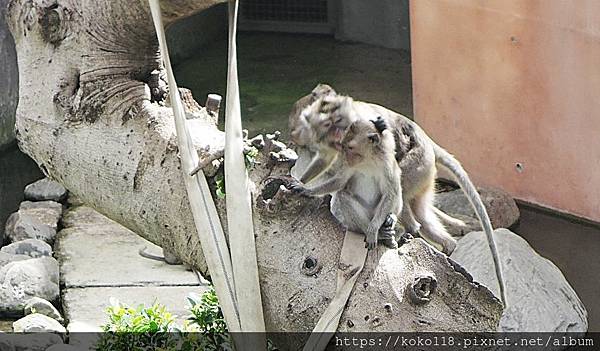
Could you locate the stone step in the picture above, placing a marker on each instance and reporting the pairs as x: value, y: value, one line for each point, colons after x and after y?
x: 99, y: 260
x: 85, y: 308
x: 104, y: 253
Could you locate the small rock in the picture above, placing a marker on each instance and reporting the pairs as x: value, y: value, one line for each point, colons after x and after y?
x: 31, y: 247
x: 29, y: 342
x: 21, y: 226
x: 22, y: 280
x: 45, y: 189
x: 258, y: 141
x: 41, y: 306
x: 6, y: 344
x: 48, y: 212
x: 287, y: 155
x: 73, y: 201
x: 6, y: 258
x: 276, y: 146
x: 275, y: 136
x: 501, y: 208
x: 539, y: 297
x: 37, y: 322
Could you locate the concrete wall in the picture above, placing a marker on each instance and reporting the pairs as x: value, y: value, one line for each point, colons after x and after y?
x: 377, y: 22
x: 9, y: 82
x: 187, y: 37
x: 511, y: 87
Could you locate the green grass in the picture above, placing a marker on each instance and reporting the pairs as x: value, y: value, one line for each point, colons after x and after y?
x: 276, y: 69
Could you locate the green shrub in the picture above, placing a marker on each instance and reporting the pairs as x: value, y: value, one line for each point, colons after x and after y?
x: 153, y: 328
x: 137, y: 328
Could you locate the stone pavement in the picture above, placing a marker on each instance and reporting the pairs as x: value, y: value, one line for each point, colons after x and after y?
x: 99, y: 259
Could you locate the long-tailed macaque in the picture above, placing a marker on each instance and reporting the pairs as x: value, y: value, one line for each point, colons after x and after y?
x: 300, y: 133
x: 417, y: 155
x: 366, y: 190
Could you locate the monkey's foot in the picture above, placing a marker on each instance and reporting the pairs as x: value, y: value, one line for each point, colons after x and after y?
x: 412, y: 228
x: 389, y: 222
x: 405, y: 238
x: 389, y: 243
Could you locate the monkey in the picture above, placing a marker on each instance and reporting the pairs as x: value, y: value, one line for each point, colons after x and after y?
x: 300, y: 133
x: 295, y: 121
x: 366, y: 190
x: 418, y: 157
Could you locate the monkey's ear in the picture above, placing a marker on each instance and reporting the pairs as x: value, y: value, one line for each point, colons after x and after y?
x: 374, y: 138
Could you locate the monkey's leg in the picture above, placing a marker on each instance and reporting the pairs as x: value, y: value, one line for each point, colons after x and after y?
x: 447, y: 219
x: 351, y: 213
x: 411, y: 226
x: 431, y: 227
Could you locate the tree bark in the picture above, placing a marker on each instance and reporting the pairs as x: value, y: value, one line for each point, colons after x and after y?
x: 92, y: 114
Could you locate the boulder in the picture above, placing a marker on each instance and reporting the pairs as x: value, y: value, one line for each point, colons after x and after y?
x: 45, y: 189
x: 30, y: 247
x: 22, y: 280
x: 501, y: 208
x: 539, y: 297
x: 48, y: 212
x: 41, y: 306
x: 37, y: 323
x: 21, y: 226
x: 6, y: 258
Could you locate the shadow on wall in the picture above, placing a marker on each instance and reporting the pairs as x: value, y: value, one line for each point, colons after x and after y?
x: 9, y: 82
x: 16, y: 171
x: 188, y: 36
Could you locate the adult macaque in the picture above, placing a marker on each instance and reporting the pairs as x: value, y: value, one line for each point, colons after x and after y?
x: 365, y: 187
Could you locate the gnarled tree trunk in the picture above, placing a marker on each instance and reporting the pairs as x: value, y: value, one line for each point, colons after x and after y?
x: 92, y: 114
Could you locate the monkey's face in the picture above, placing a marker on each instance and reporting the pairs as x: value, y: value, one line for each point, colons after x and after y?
x: 359, y: 143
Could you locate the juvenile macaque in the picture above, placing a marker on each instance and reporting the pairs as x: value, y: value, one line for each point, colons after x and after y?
x: 300, y: 133
x: 417, y: 155
x: 366, y: 191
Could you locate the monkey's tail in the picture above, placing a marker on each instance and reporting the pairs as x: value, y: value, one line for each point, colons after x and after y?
x: 445, y: 159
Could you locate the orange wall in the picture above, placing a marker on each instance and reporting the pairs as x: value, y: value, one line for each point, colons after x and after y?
x: 501, y: 82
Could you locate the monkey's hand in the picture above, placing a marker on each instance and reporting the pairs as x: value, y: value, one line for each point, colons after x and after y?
x: 297, y: 187
x: 371, y: 240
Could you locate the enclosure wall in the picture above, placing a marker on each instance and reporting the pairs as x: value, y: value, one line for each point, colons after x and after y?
x: 511, y: 88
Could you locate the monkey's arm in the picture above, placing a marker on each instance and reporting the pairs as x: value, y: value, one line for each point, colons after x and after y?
x: 331, y: 185
x: 318, y: 164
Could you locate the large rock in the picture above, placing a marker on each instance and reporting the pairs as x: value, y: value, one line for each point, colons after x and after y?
x: 501, y: 208
x: 39, y: 305
x: 45, y: 189
x: 539, y: 297
x: 21, y: 226
x: 6, y: 258
x: 37, y: 323
x: 30, y: 247
x: 48, y: 212
x: 22, y: 280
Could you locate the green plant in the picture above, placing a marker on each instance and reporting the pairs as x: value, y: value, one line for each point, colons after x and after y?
x: 137, y: 328
x: 250, y: 155
x: 153, y: 328
x: 220, y: 186
x: 207, y: 318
